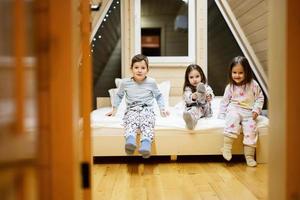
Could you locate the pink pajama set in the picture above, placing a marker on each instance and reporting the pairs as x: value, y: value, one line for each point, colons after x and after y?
x: 236, y: 108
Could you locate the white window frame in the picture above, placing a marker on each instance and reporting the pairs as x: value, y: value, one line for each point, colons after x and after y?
x: 191, y: 58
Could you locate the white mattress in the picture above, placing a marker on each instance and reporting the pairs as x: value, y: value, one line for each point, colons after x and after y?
x: 172, y: 122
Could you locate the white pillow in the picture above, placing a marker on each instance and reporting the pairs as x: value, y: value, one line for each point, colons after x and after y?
x: 164, y: 88
x: 118, y: 82
x: 122, y: 107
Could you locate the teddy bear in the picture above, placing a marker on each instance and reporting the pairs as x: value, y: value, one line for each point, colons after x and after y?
x: 201, y: 100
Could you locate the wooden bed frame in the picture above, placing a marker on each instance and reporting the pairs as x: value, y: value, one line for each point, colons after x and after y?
x: 110, y: 141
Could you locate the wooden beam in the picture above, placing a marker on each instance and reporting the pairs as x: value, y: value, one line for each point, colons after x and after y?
x: 86, y: 88
x: 293, y: 105
x: 277, y: 66
x: 58, y: 101
x: 19, y: 47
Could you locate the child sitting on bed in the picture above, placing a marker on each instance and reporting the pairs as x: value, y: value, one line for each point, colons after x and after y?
x: 197, y: 96
x: 241, y: 104
x: 140, y: 92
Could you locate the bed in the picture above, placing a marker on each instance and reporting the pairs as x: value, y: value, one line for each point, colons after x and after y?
x: 171, y: 136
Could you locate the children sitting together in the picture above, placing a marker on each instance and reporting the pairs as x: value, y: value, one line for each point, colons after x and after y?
x: 241, y: 104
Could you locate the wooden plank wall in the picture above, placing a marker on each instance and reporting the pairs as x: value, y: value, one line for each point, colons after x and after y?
x: 94, y: 16
x: 161, y: 72
x: 174, y: 73
x: 293, y: 106
x: 18, y: 127
x: 252, y: 15
x: 221, y: 48
x: 284, y: 182
x: 5, y: 77
x: 61, y: 139
x: 85, y: 75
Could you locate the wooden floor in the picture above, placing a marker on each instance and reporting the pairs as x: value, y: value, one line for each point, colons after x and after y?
x: 179, y: 180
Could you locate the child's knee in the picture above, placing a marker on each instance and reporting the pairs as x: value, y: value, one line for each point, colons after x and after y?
x: 250, y: 139
x: 233, y: 116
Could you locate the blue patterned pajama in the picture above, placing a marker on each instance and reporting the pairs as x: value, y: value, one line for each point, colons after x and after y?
x: 142, y: 118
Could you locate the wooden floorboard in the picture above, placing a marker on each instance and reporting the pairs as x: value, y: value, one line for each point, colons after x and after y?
x: 161, y: 178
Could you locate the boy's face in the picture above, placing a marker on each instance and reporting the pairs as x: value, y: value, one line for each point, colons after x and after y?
x: 139, y: 70
x: 194, y: 77
x: 238, y: 74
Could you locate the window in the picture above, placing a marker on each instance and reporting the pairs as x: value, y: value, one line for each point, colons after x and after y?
x: 165, y: 30
x: 150, y: 43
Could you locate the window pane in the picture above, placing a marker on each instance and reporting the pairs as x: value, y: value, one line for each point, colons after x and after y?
x: 164, y: 27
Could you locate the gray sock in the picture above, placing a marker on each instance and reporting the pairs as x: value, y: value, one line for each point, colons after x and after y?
x: 130, y: 145
x: 190, y: 124
x: 145, y: 148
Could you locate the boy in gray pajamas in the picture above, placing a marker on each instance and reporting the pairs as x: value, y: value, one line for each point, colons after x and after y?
x: 140, y: 92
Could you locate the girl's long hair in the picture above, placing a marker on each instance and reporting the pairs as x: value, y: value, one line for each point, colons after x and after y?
x: 247, y: 70
x: 186, y: 77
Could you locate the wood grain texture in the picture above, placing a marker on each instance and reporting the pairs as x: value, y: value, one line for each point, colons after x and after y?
x: 252, y: 16
x: 202, y: 180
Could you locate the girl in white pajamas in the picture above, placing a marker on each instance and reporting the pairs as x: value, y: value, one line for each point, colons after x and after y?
x: 197, y: 96
x: 241, y: 104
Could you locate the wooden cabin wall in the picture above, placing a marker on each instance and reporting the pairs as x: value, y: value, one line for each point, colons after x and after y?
x: 7, y: 50
x: 176, y: 73
x: 95, y: 15
x: 18, y: 118
x: 7, y: 84
x: 40, y: 75
x: 62, y: 142
x: 222, y: 47
x: 252, y: 15
x: 161, y: 72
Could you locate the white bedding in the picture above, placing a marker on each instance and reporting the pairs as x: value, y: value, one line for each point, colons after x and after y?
x: 172, y: 122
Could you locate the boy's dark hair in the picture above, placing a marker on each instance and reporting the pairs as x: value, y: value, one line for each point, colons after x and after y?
x: 139, y: 58
x: 186, y: 76
x: 246, y: 66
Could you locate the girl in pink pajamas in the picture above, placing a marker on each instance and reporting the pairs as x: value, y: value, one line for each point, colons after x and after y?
x: 241, y: 104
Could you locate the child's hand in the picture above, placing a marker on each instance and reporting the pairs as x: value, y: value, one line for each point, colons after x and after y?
x: 164, y: 113
x: 254, y: 115
x: 208, y: 98
x: 111, y: 113
x: 194, y: 96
